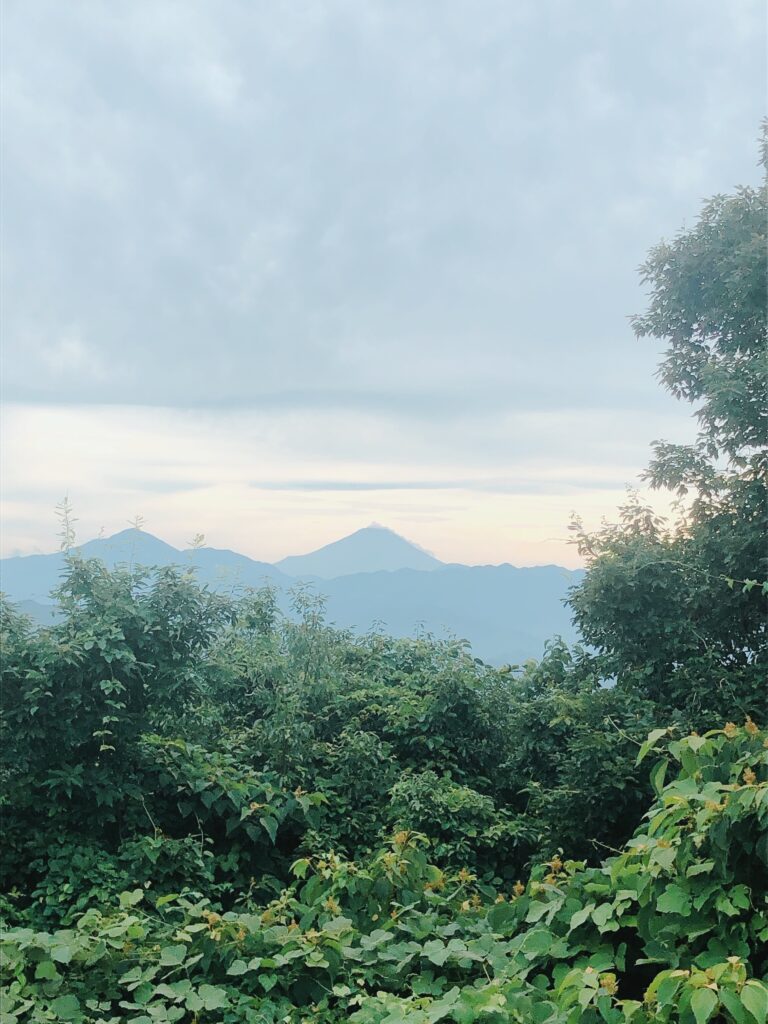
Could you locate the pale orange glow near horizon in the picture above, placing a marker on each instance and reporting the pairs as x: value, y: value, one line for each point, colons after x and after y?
x: 240, y: 480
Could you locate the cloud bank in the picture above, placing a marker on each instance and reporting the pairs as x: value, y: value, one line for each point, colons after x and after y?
x: 412, y: 224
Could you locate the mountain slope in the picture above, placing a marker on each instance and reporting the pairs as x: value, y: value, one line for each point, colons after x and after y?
x: 33, y: 577
x: 372, y: 549
x: 507, y: 614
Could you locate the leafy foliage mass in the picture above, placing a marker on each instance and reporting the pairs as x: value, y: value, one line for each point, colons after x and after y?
x: 213, y: 812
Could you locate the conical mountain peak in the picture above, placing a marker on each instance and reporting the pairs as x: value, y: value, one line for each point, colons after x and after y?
x: 374, y: 548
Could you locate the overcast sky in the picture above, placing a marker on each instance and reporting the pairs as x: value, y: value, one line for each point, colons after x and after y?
x: 273, y: 270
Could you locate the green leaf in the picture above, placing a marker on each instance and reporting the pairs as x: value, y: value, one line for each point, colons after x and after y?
x: 700, y: 869
x: 537, y: 941
x: 213, y: 997
x: 732, y: 1004
x: 674, y: 900
x: 704, y: 1002
x: 580, y: 916
x: 653, y: 738
x: 667, y: 990
x: 602, y: 914
x: 66, y: 1008
x: 172, y: 956
x: 270, y: 824
x: 754, y: 998
x: 658, y: 774
x: 436, y: 952
x: 237, y: 967
x: 46, y: 971
x: 130, y: 899
x: 193, y: 1002
x: 300, y: 867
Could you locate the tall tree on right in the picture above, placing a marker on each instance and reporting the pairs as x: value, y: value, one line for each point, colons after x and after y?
x: 680, y: 612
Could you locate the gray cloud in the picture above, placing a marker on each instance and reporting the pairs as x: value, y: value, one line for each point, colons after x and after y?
x: 347, y: 247
x: 551, y: 486
x: 331, y: 203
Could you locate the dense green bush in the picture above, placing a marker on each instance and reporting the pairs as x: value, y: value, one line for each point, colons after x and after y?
x: 673, y: 928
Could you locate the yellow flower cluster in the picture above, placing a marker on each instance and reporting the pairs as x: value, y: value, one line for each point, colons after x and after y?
x: 609, y: 984
x: 332, y: 906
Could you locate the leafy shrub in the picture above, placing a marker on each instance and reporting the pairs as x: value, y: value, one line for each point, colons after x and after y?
x: 674, y: 928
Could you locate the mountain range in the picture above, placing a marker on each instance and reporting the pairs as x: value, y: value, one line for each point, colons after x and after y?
x: 372, y: 578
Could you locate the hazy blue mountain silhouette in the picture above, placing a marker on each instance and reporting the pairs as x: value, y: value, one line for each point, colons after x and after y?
x: 507, y: 614
x: 33, y: 577
x: 372, y: 549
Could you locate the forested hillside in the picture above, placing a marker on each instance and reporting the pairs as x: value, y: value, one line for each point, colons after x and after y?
x: 216, y: 812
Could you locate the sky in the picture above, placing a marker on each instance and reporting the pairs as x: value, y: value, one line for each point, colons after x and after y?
x: 272, y: 271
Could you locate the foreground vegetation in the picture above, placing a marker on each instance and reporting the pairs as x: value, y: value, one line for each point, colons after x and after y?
x: 212, y: 812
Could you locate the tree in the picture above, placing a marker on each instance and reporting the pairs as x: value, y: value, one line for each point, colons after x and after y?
x: 680, y: 611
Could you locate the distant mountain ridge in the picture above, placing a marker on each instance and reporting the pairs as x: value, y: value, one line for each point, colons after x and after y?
x: 372, y: 577
x: 33, y: 577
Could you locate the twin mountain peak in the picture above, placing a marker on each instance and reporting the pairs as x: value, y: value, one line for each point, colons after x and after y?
x: 373, y: 576
x: 372, y: 549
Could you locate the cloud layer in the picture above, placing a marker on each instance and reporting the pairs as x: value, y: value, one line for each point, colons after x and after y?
x: 409, y: 222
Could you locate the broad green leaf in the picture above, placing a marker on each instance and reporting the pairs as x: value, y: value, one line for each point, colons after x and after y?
x: 674, y: 900
x: 703, y: 868
x: 667, y: 990
x: 732, y: 1003
x: 172, y: 956
x: 704, y: 1002
x: 754, y: 997
x: 658, y: 773
x: 130, y: 899
x: 67, y: 1008
x: 270, y: 825
x: 213, y: 996
x: 46, y: 971
x: 300, y: 867
x: 436, y: 952
x: 653, y: 739
x: 580, y: 916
